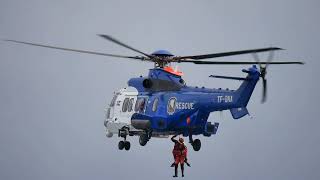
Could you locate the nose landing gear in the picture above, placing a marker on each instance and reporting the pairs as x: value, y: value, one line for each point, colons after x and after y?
x: 124, y: 144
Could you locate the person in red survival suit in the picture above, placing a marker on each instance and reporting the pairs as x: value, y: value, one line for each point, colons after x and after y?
x: 180, y: 155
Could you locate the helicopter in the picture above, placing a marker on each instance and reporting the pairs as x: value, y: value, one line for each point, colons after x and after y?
x: 162, y: 104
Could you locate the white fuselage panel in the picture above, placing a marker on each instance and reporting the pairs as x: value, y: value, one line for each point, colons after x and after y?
x: 120, y: 110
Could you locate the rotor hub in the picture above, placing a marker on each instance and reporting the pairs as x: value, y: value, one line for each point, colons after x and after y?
x: 162, y: 53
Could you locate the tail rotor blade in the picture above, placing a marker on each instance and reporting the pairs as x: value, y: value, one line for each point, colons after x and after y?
x: 264, y: 91
x: 256, y: 57
x: 270, y: 58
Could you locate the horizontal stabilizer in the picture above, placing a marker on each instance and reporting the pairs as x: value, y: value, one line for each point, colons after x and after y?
x: 230, y: 77
x: 239, y: 112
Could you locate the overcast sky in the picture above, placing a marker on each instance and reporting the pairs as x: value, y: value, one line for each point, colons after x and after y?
x: 52, y: 102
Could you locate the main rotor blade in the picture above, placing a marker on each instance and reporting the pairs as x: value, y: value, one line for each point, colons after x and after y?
x: 122, y: 44
x: 77, y: 50
x: 238, y: 62
x: 232, y: 53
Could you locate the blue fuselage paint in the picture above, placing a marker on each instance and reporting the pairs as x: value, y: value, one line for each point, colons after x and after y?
x: 187, y: 110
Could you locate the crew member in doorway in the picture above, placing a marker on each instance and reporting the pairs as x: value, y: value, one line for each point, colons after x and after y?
x: 180, y: 155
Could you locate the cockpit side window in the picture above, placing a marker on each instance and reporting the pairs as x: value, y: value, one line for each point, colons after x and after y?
x: 125, y: 105
x: 140, y: 104
x: 136, y: 107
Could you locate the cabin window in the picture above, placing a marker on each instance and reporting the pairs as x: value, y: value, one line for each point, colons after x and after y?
x: 125, y: 105
x: 155, y: 105
x: 171, y: 107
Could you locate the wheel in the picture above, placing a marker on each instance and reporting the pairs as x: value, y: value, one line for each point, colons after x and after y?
x: 127, y: 145
x: 196, y: 145
x: 143, y: 139
x: 121, y: 145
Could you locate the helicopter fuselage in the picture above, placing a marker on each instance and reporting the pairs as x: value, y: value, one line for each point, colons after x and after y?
x: 162, y: 104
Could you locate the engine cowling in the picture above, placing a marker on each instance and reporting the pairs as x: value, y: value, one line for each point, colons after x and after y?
x: 151, y: 84
x: 147, y: 83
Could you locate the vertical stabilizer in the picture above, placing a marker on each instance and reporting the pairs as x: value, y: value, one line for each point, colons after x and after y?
x: 244, y: 92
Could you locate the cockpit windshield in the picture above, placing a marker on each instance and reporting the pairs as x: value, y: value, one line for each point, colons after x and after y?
x: 114, y: 99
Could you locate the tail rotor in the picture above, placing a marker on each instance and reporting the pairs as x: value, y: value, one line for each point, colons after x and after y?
x: 263, y: 72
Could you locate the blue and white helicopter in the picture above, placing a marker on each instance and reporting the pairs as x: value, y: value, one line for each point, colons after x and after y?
x: 161, y: 104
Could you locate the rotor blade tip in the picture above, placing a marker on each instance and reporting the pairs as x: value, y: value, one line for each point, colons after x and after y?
x: 104, y: 36
x: 277, y: 48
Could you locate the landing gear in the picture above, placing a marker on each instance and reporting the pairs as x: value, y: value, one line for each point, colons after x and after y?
x: 124, y: 144
x: 121, y: 145
x: 127, y: 145
x: 196, y: 144
x: 144, y: 138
